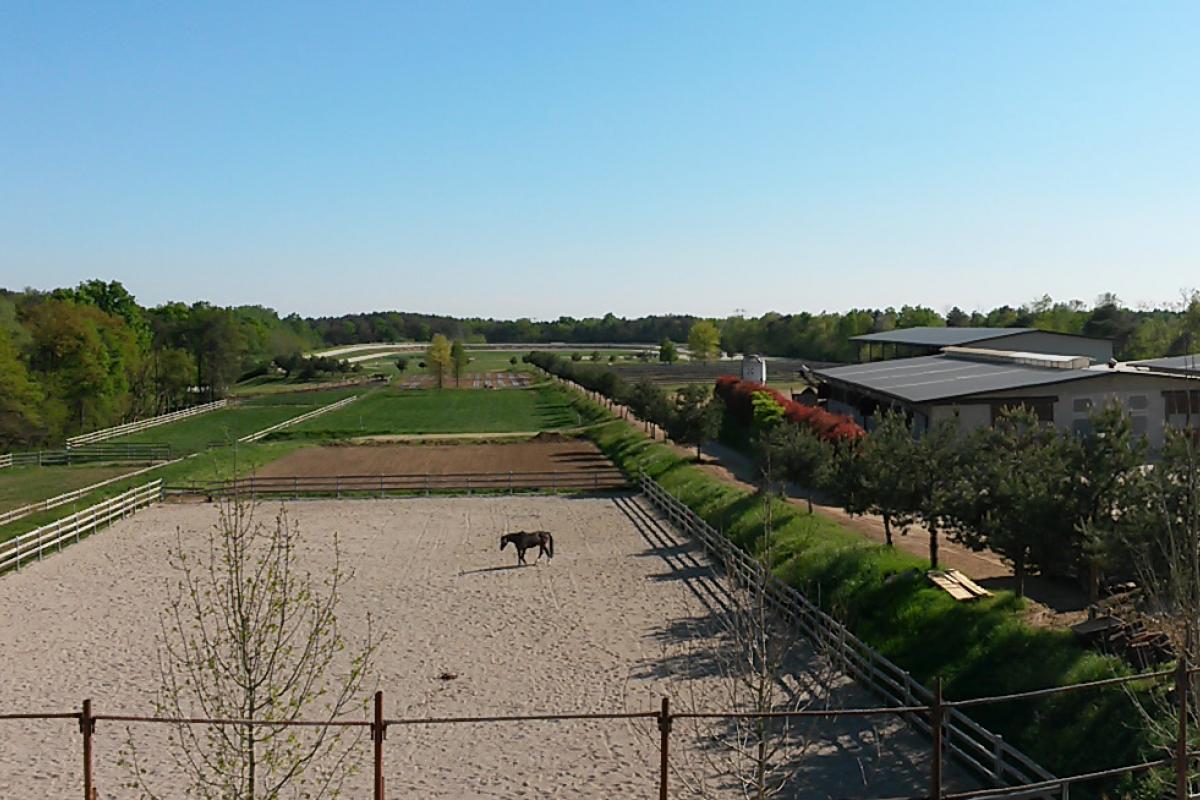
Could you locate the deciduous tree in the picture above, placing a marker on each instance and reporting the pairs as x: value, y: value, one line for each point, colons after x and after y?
x: 704, y: 341
x: 248, y: 634
x: 439, y: 358
x: 459, y: 360
x: 696, y: 418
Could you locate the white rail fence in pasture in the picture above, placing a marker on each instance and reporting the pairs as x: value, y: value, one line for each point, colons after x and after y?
x: 6, y: 460
x: 254, y: 437
x: 974, y: 746
x: 69, y: 497
x: 143, y: 424
x: 52, y: 537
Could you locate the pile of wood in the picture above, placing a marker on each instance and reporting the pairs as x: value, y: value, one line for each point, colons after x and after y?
x: 1118, y: 625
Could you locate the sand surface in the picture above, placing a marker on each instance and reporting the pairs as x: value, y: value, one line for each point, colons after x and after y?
x: 623, y: 615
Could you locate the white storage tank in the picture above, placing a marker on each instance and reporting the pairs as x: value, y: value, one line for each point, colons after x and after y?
x: 754, y: 368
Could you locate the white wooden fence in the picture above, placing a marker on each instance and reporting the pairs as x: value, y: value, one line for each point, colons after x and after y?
x: 69, y: 497
x: 6, y: 460
x: 52, y: 537
x: 254, y: 437
x: 974, y: 746
x: 143, y: 424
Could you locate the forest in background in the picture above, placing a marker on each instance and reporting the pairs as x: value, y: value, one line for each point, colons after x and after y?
x: 77, y: 359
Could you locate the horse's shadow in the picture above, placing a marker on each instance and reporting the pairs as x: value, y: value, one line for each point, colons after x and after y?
x: 494, y: 569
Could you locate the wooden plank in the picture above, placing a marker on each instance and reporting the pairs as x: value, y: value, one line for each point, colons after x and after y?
x: 968, y: 584
x: 949, y: 586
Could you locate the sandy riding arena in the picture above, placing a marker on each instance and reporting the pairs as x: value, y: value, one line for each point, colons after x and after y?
x: 620, y: 617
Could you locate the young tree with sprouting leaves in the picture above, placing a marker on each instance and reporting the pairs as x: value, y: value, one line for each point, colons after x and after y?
x: 799, y: 456
x: 439, y: 358
x: 877, y: 474
x: 668, y: 353
x: 250, y: 634
x: 933, y: 462
x: 1101, y: 463
x: 704, y: 341
x: 458, y: 360
x: 696, y: 417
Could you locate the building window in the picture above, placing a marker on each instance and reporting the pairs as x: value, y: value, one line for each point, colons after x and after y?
x: 1178, y: 402
x: 1140, y: 426
x: 1082, y: 405
x: 1138, y: 402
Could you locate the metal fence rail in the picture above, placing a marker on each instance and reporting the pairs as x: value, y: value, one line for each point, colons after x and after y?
x: 664, y: 718
x: 254, y: 437
x: 52, y: 537
x: 605, y: 478
x: 143, y: 424
x: 977, y: 748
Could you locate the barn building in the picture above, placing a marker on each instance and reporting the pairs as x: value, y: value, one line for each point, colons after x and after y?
x: 973, y: 385
x: 907, y: 342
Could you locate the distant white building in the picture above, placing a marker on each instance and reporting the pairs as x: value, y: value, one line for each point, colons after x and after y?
x: 754, y: 368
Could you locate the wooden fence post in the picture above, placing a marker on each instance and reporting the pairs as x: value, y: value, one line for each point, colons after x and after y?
x: 664, y: 744
x: 87, y: 726
x: 378, y: 732
x: 935, y: 725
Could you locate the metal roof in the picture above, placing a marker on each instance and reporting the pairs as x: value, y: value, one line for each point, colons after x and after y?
x: 929, y: 378
x: 939, y: 337
x: 1187, y: 364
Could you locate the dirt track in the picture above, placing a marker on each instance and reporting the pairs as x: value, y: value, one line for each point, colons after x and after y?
x: 624, y: 614
x: 538, y: 455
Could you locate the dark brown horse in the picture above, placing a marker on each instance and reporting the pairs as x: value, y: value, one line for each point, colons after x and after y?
x: 524, y: 540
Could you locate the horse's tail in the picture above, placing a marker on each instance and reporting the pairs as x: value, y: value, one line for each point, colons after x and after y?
x: 550, y: 542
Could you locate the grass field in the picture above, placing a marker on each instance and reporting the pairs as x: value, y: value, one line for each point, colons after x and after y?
x: 481, y: 361
x: 227, y: 425
x: 223, y: 464
x: 268, y: 387
x: 20, y: 486
x: 447, y: 411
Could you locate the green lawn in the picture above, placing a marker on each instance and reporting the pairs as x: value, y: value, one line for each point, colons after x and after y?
x: 224, y: 426
x: 448, y: 411
x: 222, y: 464
x: 312, y: 398
x: 481, y: 361
x: 20, y: 486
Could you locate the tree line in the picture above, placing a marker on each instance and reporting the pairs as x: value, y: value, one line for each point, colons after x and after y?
x: 1173, y: 329
x: 77, y: 359
x: 74, y: 360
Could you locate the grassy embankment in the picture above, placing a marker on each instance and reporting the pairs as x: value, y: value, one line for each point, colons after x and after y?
x: 980, y: 648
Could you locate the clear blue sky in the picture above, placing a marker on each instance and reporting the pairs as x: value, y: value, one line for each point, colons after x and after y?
x: 535, y: 159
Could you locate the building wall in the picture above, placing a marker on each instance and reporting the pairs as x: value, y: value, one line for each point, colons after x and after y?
x: 1098, y: 350
x: 1140, y: 395
x: 969, y: 415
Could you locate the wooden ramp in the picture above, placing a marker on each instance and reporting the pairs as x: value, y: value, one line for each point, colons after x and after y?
x: 957, y: 585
